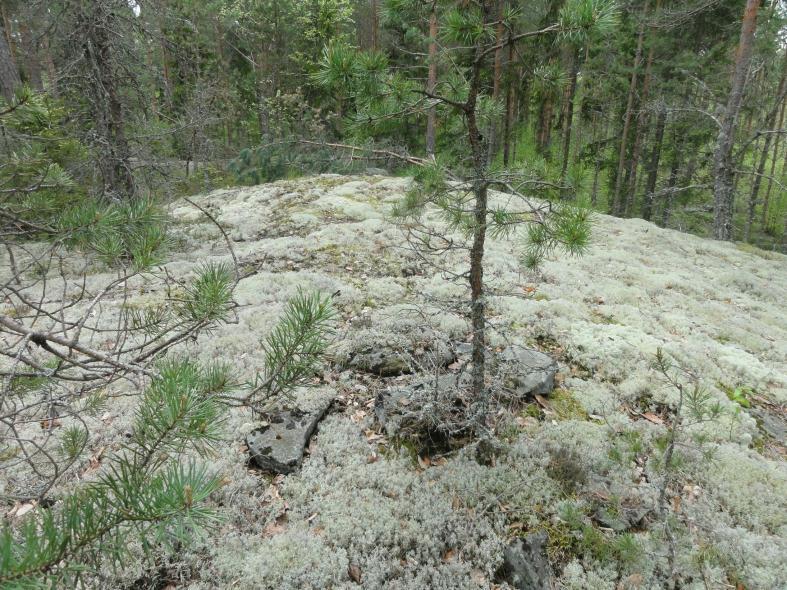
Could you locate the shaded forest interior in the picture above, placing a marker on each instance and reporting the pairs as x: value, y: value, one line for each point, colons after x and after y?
x: 675, y: 117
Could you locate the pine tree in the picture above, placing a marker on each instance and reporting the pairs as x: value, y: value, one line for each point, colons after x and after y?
x: 723, y: 166
x: 469, y: 41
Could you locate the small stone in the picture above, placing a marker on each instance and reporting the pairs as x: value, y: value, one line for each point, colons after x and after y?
x: 527, y: 372
x: 279, y: 446
x: 525, y: 563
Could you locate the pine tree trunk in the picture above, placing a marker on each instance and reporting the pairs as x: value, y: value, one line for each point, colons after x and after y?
x: 653, y: 166
x: 581, y: 89
x: 544, y: 138
x: 431, y: 118
x: 598, y: 160
x: 568, y: 112
x: 524, y: 108
x: 114, y: 160
x: 5, y: 24
x: 376, y: 24
x: 165, y: 59
x: 671, y: 184
x: 32, y: 64
x: 479, y: 149
x: 767, y: 200
x: 497, y: 77
x: 770, y: 121
x: 51, y: 71
x: 9, y: 75
x: 617, y: 201
x: 723, y: 165
x: 642, y: 128
x: 510, y: 105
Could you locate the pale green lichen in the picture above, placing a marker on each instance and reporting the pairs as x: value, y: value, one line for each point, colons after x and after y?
x: 714, y: 308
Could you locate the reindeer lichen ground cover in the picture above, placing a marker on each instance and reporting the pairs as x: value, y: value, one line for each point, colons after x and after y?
x: 369, y: 511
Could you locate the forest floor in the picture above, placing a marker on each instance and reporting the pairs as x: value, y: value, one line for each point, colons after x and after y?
x: 366, y: 510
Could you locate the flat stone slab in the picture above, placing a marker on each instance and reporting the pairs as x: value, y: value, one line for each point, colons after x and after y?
x: 279, y: 446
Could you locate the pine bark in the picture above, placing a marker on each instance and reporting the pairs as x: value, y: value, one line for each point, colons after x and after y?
x: 9, y: 75
x: 510, y: 108
x: 376, y: 24
x: 617, y: 201
x: 479, y: 148
x: 108, y: 113
x: 568, y: 110
x: 767, y: 199
x: 723, y: 166
x: 653, y: 165
x: 497, y: 78
x: 643, y: 119
x: 32, y: 65
x: 51, y: 71
x: 431, y: 117
x: 544, y: 137
x: 770, y: 121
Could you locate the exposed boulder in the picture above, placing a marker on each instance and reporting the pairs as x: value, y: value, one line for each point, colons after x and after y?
x: 527, y: 372
x: 371, y: 171
x: 525, y: 563
x: 279, y: 445
x: 396, y: 350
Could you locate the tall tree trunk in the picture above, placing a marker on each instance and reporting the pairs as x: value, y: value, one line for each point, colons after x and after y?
x: 431, y: 118
x: 617, y: 201
x: 544, y: 138
x: 666, y: 213
x: 510, y: 107
x: 115, y: 155
x: 770, y: 121
x: 376, y: 24
x: 653, y: 165
x: 32, y: 64
x: 767, y: 200
x: 568, y: 109
x: 263, y: 117
x: 524, y: 99
x: 51, y: 71
x: 642, y: 126
x: 9, y: 75
x: 497, y: 78
x: 580, y: 92
x: 597, y: 158
x: 723, y: 166
x: 5, y: 24
x: 477, y: 303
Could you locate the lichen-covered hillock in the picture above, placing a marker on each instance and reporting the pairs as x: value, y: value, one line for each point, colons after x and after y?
x: 582, y: 466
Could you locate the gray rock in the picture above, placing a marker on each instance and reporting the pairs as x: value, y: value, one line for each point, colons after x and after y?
x: 391, y: 353
x: 525, y: 563
x: 621, y: 506
x: 279, y: 446
x: 771, y: 424
x: 527, y: 372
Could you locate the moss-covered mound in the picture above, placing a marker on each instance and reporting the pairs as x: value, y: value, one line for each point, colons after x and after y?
x: 584, y: 465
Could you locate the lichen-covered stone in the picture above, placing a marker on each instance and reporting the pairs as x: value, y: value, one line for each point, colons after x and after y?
x: 526, y: 566
x: 279, y: 445
x: 527, y: 372
x: 395, y: 348
x: 715, y: 309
